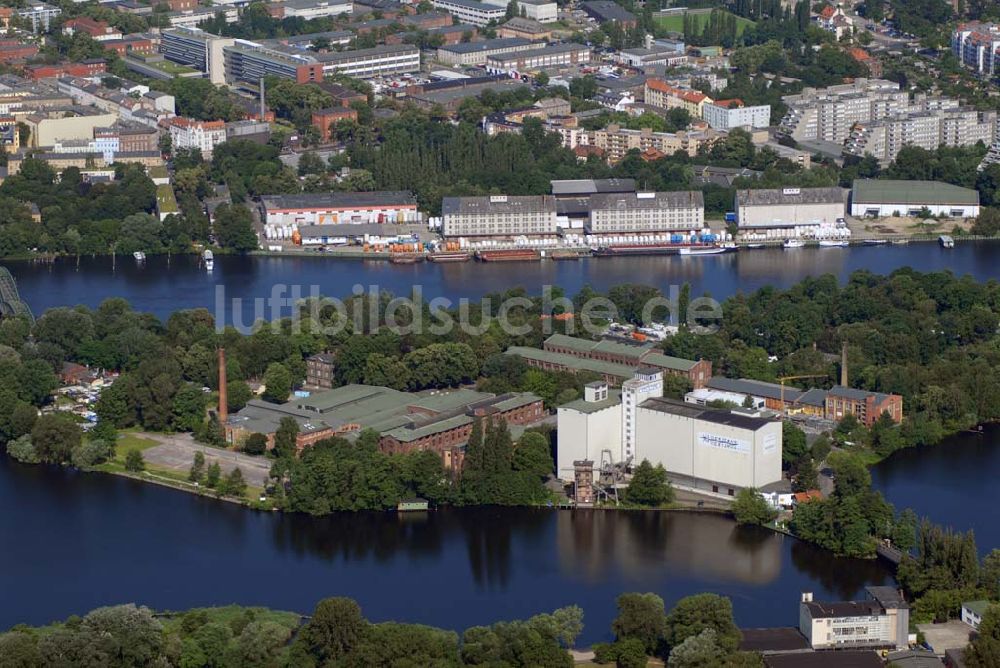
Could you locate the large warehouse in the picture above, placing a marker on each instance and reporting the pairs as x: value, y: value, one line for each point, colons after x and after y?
x: 880, y: 198
x: 715, y: 450
x: 782, y: 208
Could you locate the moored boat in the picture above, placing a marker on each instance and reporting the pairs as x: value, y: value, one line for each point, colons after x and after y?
x: 209, y: 259
x: 833, y: 243
x: 511, y: 255
x: 716, y: 250
x: 875, y: 242
x: 946, y: 241
x: 405, y: 258
x: 139, y: 256
x: 794, y: 243
x: 450, y: 256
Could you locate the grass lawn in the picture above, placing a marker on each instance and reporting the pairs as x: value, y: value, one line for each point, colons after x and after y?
x: 227, y: 614
x: 676, y: 23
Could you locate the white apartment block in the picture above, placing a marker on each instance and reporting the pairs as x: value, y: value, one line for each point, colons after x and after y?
x: 314, y: 9
x: 40, y: 15
x: 975, y: 45
x: 884, y: 138
x: 618, y: 213
x: 470, y: 11
x: 729, y: 114
x: 202, y: 135
x: 830, y: 114
x: 498, y: 215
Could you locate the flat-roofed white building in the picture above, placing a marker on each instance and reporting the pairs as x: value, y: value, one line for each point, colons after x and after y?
x: 476, y: 53
x: 713, y: 450
x: 780, y: 208
x: 340, y: 208
x: 879, y: 198
x: 470, y: 11
x: 498, y: 215
x: 611, y: 213
x: 587, y: 427
x: 881, y: 621
x: 556, y: 55
x: 729, y: 114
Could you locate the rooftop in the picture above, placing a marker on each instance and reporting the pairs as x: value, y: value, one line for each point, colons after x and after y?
x: 855, y: 394
x: 659, y: 200
x: 584, y: 406
x: 717, y: 416
x: 572, y: 362
x: 755, y: 388
x: 592, y: 186
x: 781, y: 639
x: 486, y: 45
x: 822, y: 609
x: 498, y: 204
x: 977, y: 607
x: 779, y: 196
x: 912, y: 193
x: 339, y: 200
x: 838, y: 659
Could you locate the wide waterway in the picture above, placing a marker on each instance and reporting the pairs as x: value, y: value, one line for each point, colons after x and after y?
x: 163, y: 285
x: 73, y: 541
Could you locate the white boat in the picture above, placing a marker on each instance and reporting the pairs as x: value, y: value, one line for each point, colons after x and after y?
x: 833, y: 243
x: 875, y: 242
x: 209, y: 259
x: 139, y: 256
x: 794, y: 243
x: 702, y: 251
x: 946, y: 241
x: 900, y: 242
x: 755, y: 245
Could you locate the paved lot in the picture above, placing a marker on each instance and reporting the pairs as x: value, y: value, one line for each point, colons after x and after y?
x: 942, y: 637
x: 176, y: 451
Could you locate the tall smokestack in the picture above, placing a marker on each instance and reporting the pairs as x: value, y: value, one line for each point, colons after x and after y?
x: 223, y: 398
x: 843, y: 364
x: 263, y: 105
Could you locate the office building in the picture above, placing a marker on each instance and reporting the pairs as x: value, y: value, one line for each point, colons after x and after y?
x: 829, y: 114
x: 617, y: 213
x: 336, y: 208
x: 880, y: 198
x: 470, y: 11
x: 499, y: 216
x: 881, y: 621
x: 729, y: 114
x: 780, y: 208
x: 543, y: 11
x: 187, y: 133
x: 309, y: 9
x: 476, y: 53
x: 976, y: 46
x: 248, y: 62
x: 383, y: 60
x: 556, y: 55
x: 190, y: 18
x: 196, y: 48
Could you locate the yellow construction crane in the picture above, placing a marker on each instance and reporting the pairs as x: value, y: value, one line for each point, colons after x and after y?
x: 782, y: 380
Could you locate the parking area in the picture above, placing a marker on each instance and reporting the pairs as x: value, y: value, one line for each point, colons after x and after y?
x: 942, y: 637
x: 176, y: 452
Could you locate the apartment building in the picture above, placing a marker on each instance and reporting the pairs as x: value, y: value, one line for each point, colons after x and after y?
x: 498, y: 216
x: 614, y: 142
x: 40, y: 15
x: 543, y: 11
x: 927, y: 129
x: 202, y: 135
x: 976, y: 45
x: 309, y: 9
x: 99, y: 31
x: 618, y: 213
x: 470, y: 11
x: 660, y: 94
x: 729, y: 114
x: 829, y: 114
x: 190, y: 18
x: 557, y: 55
x: 196, y: 48
x: 476, y: 53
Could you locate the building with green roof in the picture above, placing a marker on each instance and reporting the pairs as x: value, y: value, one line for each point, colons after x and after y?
x: 623, y: 353
x: 878, y: 198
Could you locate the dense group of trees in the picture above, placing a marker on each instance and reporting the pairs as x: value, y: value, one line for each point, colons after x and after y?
x: 698, y: 632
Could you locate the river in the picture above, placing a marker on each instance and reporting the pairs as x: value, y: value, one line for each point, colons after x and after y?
x: 73, y: 541
x: 163, y: 285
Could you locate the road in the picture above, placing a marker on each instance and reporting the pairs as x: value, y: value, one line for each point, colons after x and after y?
x: 176, y: 452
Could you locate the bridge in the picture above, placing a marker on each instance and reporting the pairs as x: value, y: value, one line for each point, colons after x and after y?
x: 889, y: 553
x: 10, y: 300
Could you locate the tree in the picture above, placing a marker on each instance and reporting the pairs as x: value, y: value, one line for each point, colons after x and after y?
x: 640, y: 617
x: 989, y: 574
x: 286, y: 437
x: 255, y: 444
x: 277, y: 383
x: 213, y: 475
x: 694, y: 614
x: 750, y: 507
x: 134, y: 462
x: 533, y: 455
x: 336, y: 627
x: 649, y: 486
x: 238, y: 393
x: 55, y: 436
x: 233, y: 484
x: 197, y: 470
x: 19, y: 649
x: 234, y: 228
x: 21, y: 449
x: 125, y: 635
x: 793, y: 443
x: 92, y: 452
x: 698, y: 651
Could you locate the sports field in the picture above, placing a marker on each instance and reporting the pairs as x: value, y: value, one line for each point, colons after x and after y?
x: 676, y: 23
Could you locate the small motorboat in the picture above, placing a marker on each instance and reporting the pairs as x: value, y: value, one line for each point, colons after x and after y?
x: 139, y: 256
x: 833, y: 243
x: 209, y: 259
x: 794, y: 243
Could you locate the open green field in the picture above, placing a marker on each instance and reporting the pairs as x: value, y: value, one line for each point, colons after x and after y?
x: 676, y: 23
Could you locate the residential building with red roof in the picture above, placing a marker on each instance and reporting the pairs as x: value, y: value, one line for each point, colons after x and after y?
x: 659, y: 93
x: 189, y: 133
x: 98, y: 30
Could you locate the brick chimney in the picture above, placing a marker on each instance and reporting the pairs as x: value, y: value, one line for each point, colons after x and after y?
x: 223, y: 399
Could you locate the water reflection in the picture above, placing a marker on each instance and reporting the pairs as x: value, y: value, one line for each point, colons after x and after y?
x: 843, y: 577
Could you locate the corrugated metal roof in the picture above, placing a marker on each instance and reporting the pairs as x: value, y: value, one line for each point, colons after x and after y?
x: 911, y: 193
